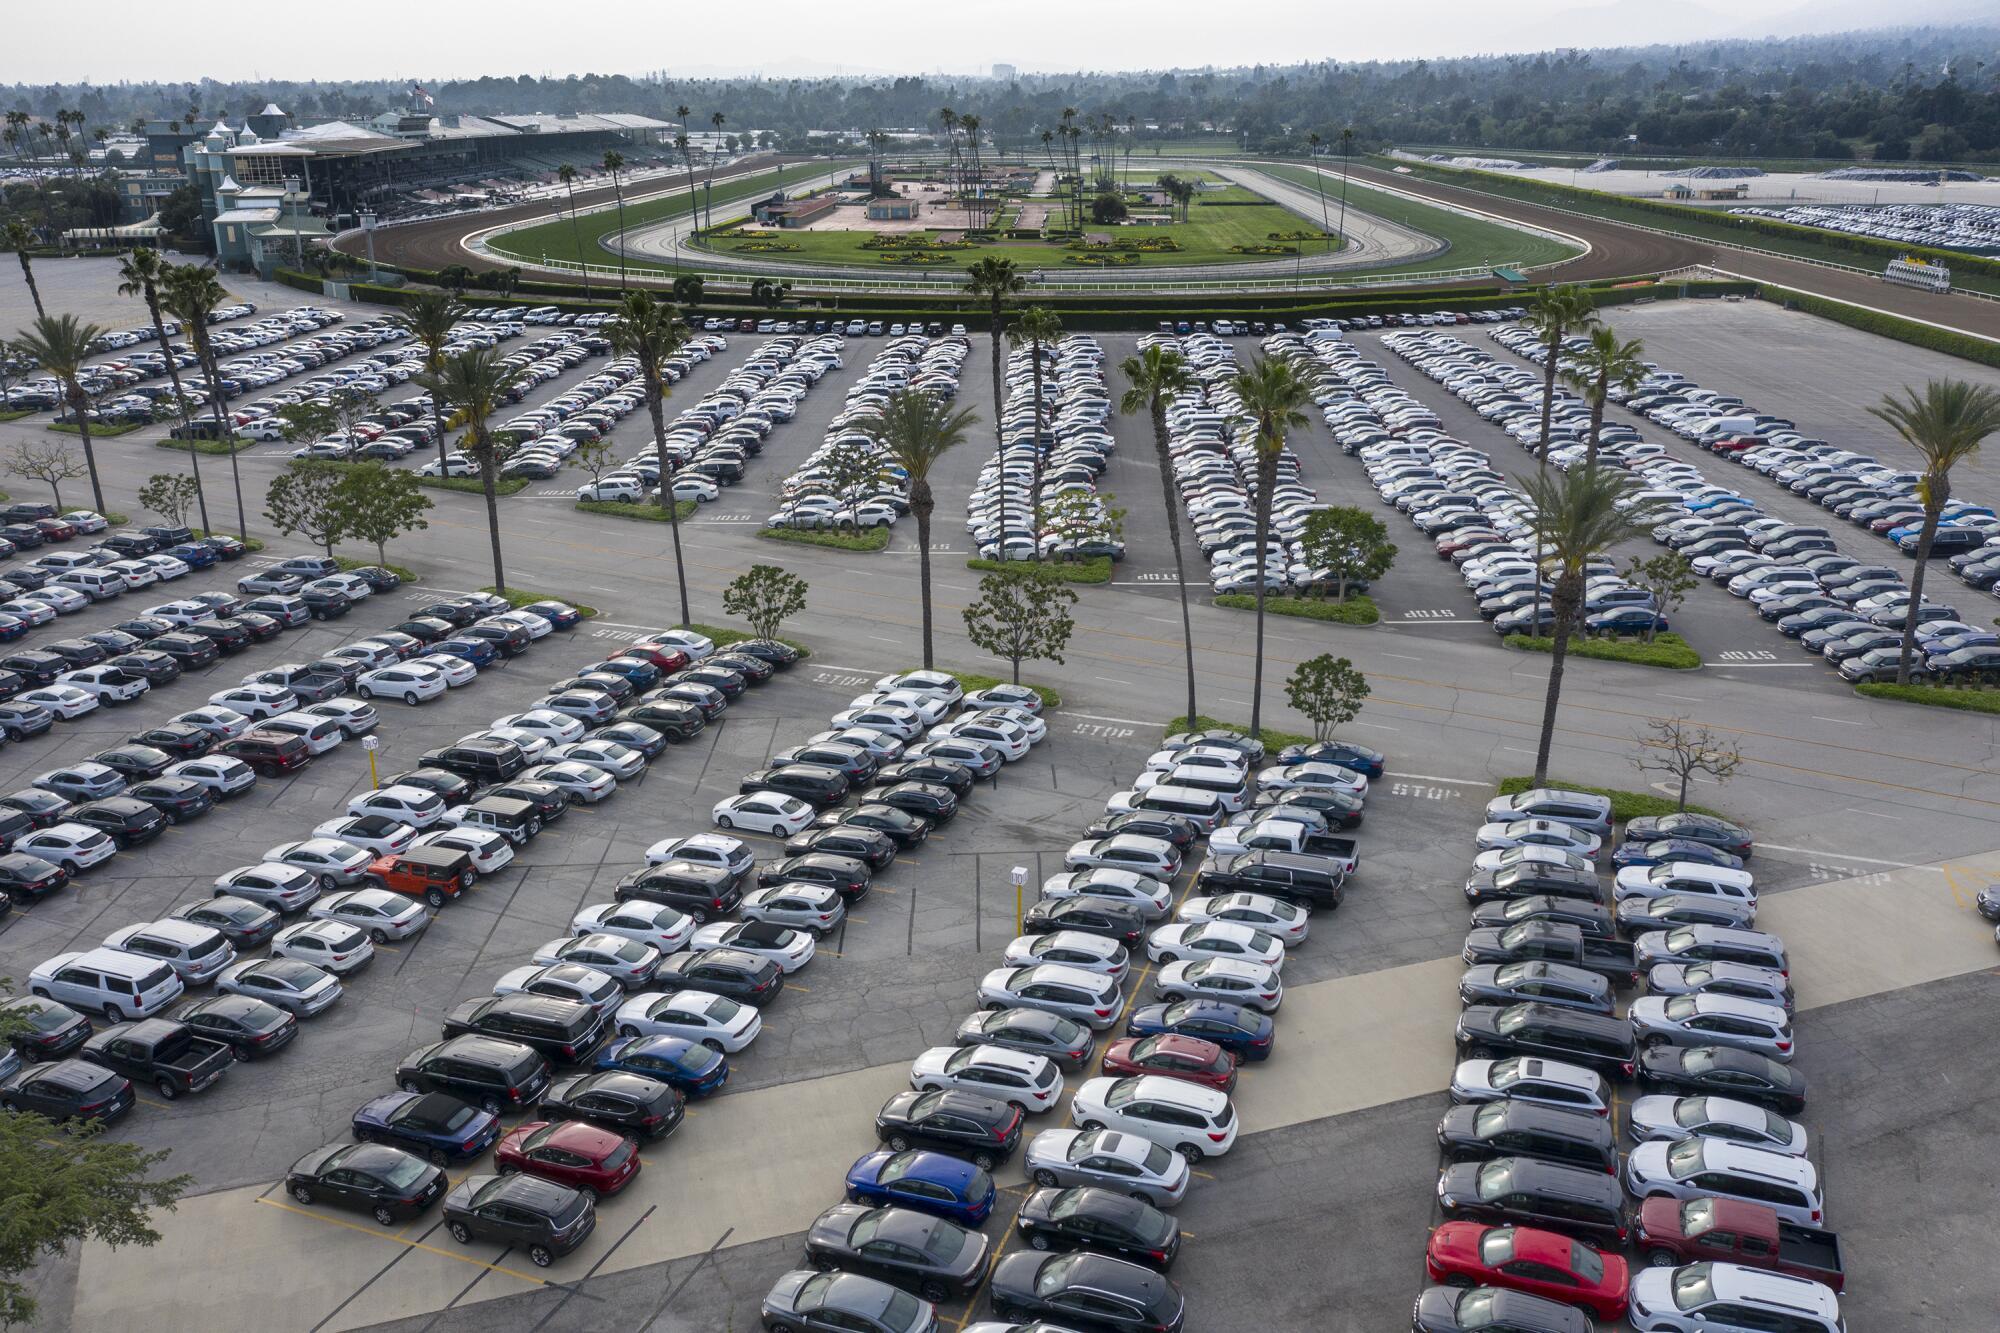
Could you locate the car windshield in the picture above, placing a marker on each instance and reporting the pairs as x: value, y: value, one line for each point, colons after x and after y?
x: 42, y: 1017
x: 1475, y: 1308
x: 540, y: 1136
x: 1680, y: 1008
x: 1496, y: 1179
x: 1684, y: 1158
x: 1692, y: 1287
x: 897, y: 1167
x: 1496, y: 1247
x: 1121, y: 1092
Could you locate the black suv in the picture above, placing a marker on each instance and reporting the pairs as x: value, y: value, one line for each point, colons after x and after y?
x: 36, y: 666
x: 964, y: 1124
x: 1506, y: 1128
x: 128, y: 821
x: 326, y: 603
x: 68, y: 1090
x: 1305, y: 880
x: 192, y: 651
x: 230, y: 636
x: 871, y: 847
x: 675, y: 719
x: 79, y: 653
x: 487, y: 1072
x: 1594, y: 921
x: 1525, y: 1192
x: 1491, y: 1031
x: 1519, y: 881
x: 849, y: 877
x: 731, y: 973
x: 1092, y: 916
x: 480, y: 760
x: 816, y: 786
x: 1093, y: 1290
x: 522, y: 1212
x: 703, y: 892
x: 178, y: 739
x: 850, y: 761
x: 565, y: 1031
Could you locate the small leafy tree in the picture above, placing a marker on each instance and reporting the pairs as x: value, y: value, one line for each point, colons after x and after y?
x: 764, y: 597
x: 171, y: 495
x: 1668, y: 576
x: 688, y: 289
x: 1680, y: 749
x: 1350, y: 544
x: 1329, y: 691
x: 595, y: 457
x: 50, y: 462
x: 851, y: 470
x: 1022, y: 615
x: 375, y: 503
x: 304, y: 500
x: 316, y: 418
x: 1078, y: 516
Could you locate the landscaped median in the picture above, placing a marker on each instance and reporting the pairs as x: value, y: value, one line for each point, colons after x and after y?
x: 874, y: 539
x: 1356, y: 610
x: 234, y: 445
x: 1970, y: 699
x: 647, y: 513
x: 1094, y: 570
x: 97, y: 432
x: 1624, y: 804
x: 472, y: 485
x: 1666, y: 650
x: 522, y: 596
x: 973, y: 680
x: 723, y: 636
x: 1274, y: 741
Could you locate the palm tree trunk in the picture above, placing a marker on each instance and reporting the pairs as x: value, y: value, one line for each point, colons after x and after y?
x: 180, y: 404
x: 28, y: 272
x: 1172, y: 509
x: 79, y: 405
x: 225, y: 436
x: 921, y: 505
x: 1924, y: 538
x: 1596, y: 424
x: 656, y: 408
x: 486, y: 482
x: 619, y: 190
x: 434, y: 364
x: 1558, y: 652
x: 1541, y: 448
x: 1267, y: 483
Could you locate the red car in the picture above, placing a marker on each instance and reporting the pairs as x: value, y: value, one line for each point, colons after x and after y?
x: 571, y: 1152
x: 1540, y: 1263
x: 662, y: 655
x: 1187, y: 1058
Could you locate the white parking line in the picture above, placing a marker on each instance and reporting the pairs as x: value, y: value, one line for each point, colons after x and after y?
x: 1839, y: 857
x: 1099, y: 717
x: 1456, y: 782
x: 1872, y: 814
x: 1845, y: 722
x: 1403, y: 657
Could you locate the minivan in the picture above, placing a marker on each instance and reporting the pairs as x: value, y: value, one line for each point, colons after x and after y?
x: 1697, y: 1167
x: 1522, y: 1191
x: 1230, y: 786
x: 116, y: 984
x: 195, y: 953
x: 268, y: 753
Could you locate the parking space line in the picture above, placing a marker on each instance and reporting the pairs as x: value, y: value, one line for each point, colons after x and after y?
x: 150, y: 1102
x: 379, y: 1234
x: 1841, y: 856
x: 1432, y: 777
x: 1845, y: 722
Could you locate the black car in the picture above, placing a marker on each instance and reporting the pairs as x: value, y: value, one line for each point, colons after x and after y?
x: 24, y: 876
x: 1525, y: 1191
x: 1100, y: 1220
x: 928, y: 1255
x: 1447, y: 1309
x: 980, y: 1129
x: 192, y: 651
x: 901, y: 827
x: 1556, y: 1032
x: 1175, y: 829
x: 18, y: 721
x: 1342, y: 809
x: 114, y: 641
x: 1588, y: 917
x: 387, y: 1183
x: 1093, y: 916
x: 850, y: 761
x: 42, y: 808
x: 704, y: 892
x: 455, y: 614
x: 633, y: 736
x: 1725, y: 1071
x: 1085, y: 1290
x: 248, y: 1026
x: 937, y: 772
x: 11, y: 684
x: 1534, y: 878
x: 1705, y: 829
x: 179, y: 799
x: 145, y: 628
x: 672, y: 718
x: 128, y: 821
x: 229, y: 636
x: 816, y: 786
x: 1507, y: 1128
x: 326, y: 603
x: 550, y: 801
x: 36, y: 666
x: 849, y: 877
x: 68, y: 1090
x: 926, y: 800
x: 753, y: 669
x: 478, y: 759
x: 628, y: 1103
x: 134, y: 762
x: 730, y: 683
x: 612, y: 686
x: 262, y: 627
x: 520, y: 1211
x: 494, y: 1075
x: 779, y: 654
x: 872, y: 847
x: 562, y: 1031
x: 43, y: 1029
x: 243, y: 923
x: 377, y: 578
x: 446, y: 786
x: 13, y: 826
x: 156, y: 668
x: 427, y: 629
x: 26, y: 536
x: 732, y: 973
x: 78, y: 653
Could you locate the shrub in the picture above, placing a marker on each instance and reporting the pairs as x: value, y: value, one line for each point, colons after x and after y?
x: 523, y: 596
x: 1356, y: 610
x: 471, y: 485
x: 1666, y: 650
x: 650, y: 513
x: 402, y: 572
x: 1095, y: 570
x: 1936, y: 696
x: 724, y: 636
x: 1273, y: 740
x: 973, y: 680
x: 874, y: 539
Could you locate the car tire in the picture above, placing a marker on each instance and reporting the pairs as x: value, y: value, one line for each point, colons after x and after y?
x: 384, y: 1216
x: 490, y: 1105
x: 722, y: 821
x: 713, y: 1045
x: 411, y: 698
x: 365, y: 692
x: 541, y: 1255
x: 459, y: 1232
x: 410, y: 1085
x: 1192, y: 1153
x: 937, y: 1293
x: 899, y: 1143
x: 985, y: 1161
x: 1661, y: 1259
x: 435, y: 898
x: 74, y: 867
x: 303, y: 1195
x: 113, y: 1014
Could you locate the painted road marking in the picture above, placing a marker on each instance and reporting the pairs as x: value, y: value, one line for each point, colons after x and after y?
x: 379, y: 1234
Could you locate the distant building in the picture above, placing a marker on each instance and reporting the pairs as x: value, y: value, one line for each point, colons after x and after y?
x: 778, y: 211
x: 894, y: 209
x: 1004, y: 71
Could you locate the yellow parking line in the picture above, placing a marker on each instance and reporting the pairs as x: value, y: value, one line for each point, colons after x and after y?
x: 411, y: 1244
x: 150, y: 1102
x: 972, y: 1301
x: 388, y: 948
x: 793, y: 986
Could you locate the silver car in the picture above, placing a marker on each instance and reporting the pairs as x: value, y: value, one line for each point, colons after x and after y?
x: 1543, y: 983
x: 298, y: 988
x: 1671, y: 1118
x: 1637, y: 916
x: 619, y: 761
x: 338, y: 864
x: 1105, y: 1157
x: 1088, y: 997
x: 817, y: 908
x: 629, y: 962
x: 1739, y: 979
x: 280, y: 888
x: 1713, y: 1020
x: 384, y: 915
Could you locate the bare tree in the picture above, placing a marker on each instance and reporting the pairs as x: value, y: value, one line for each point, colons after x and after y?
x: 50, y: 462
x: 1681, y: 750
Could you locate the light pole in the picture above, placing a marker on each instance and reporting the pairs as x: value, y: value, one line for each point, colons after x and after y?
x: 368, y: 231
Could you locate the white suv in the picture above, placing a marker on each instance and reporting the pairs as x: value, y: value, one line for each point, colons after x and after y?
x: 1722, y: 1298
x: 1194, y: 1121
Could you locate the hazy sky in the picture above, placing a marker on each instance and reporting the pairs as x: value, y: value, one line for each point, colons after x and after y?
x: 111, y: 40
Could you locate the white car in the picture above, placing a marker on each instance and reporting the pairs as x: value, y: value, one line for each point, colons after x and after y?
x: 183, y: 613
x: 931, y: 708
x: 366, y: 654
x: 533, y: 744
x: 331, y: 946
x: 565, y: 981
x: 455, y: 670
x: 1251, y: 985
x: 415, y: 806
x: 1529, y: 1079
x: 110, y: 684
x: 1013, y: 698
x: 789, y: 949
x: 412, y: 682
x: 1008, y: 739
x: 1194, y: 1121
x: 320, y: 734
x: 764, y: 812
x: 65, y: 701
x: 1030, y: 726
x: 695, y: 1015
x: 1327, y: 777
x: 222, y: 774
x: 490, y: 851
x: 385, y: 915
x: 1150, y: 896
x: 1030, y: 1082
x: 279, y: 887
x: 579, y: 782
x: 1199, y: 756
x: 378, y: 833
x: 136, y: 573
x: 1126, y: 851
x: 696, y: 646
x: 337, y: 863
x: 656, y: 924
x: 355, y: 717
x: 1674, y: 1118
x: 1216, y: 939
x: 938, y: 683
x: 704, y: 849
x: 74, y: 847
x: 166, y: 567
x: 26, y: 608
x: 622, y: 762
x: 225, y: 724
x: 1530, y: 854
x: 1286, y: 921
x: 629, y: 962
x: 1537, y: 833
x: 256, y: 702
x: 64, y: 601
x: 555, y: 728
x: 356, y: 588
x: 533, y: 626
x: 1072, y: 948
x: 905, y: 724
x: 1125, y: 1163
x: 814, y: 907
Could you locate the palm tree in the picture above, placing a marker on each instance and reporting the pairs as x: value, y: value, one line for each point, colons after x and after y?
x: 1346, y: 143
x: 567, y: 175
x: 1157, y: 376
x: 916, y: 429
x: 430, y: 318
x: 1945, y: 425
x: 140, y: 275
x: 716, y: 123
x: 62, y: 344
x: 19, y: 240
x: 1275, y: 396
x: 1038, y: 327
x: 1319, y: 180
x: 191, y: 292
x: 472, y: 382
x: 996, y: 279
x: 976, y: 201
x: 613, y: 160
x: 1576, y: 520
x: 1606, y: 364
x: 682, y: 142
x: 1553, y: 314
x: 649, y: 332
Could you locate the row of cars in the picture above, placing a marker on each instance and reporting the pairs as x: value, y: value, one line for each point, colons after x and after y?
x: 1037, y: 495
x: 123, y: 372
x: 1544, y: 1162
x: 850, y: 480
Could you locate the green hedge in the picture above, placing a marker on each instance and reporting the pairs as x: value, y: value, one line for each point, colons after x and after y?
x: 402, y: 572
x: 234, y: 445
x: 1356, y: 610
x: 874, y: 539
x: 17, y: 414
x: 1666, y: 650
x: 97, y: 432
x: 650, y: 513
x: 1936, y: 696
x: 973, y: 680
x: 1095, y: 570
x: 724, y: 636
x: 472, y: 485
x: 1624, y: 804
x: 1274, y: 741
x: 1963, y: 345
x: 522, y: 596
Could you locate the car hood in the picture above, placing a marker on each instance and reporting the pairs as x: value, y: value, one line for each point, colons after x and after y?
x: 1437, y: 1309
x: 785, y: 1292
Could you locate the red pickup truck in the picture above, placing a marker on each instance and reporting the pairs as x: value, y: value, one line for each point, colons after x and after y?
x: 1676, y: 1231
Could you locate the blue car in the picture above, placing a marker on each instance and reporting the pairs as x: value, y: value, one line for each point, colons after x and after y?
x: 1662, y: 850
x: 1242, y: 1032
x: 693, y: 1068
x: 1348, y: 755
x: 1705, y: 503
x: 559, y: 614
x: 1625, y: 620
x: 643, y: 674
x: 476, y: 651
x: 196, y: 555
x: 433, y: 1125
x: 929, y: 1182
